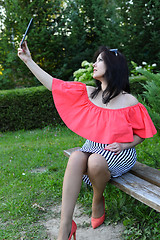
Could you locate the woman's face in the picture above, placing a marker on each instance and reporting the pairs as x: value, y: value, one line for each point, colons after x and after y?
x: 99, y: 68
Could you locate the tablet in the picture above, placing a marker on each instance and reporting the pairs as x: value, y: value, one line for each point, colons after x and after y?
x: 27, y: 31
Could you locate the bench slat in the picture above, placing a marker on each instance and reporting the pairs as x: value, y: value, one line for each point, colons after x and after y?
x: 147, y: 173
x: 140, y: 189
x: 68, y: 152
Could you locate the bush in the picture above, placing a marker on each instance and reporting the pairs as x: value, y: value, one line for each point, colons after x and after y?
x: 27, y: 108
x: 151, y: 95
x: 85, y: 74
x: 137, y: 84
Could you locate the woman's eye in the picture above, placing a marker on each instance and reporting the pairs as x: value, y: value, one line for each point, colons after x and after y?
x: 100, y: 59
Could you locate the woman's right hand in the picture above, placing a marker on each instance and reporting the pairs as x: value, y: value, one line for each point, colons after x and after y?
x: 24, y: 53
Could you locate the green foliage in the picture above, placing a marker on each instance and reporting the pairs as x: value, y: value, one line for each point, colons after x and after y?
x: 31, y: 173
x: 136, y: 84
x: 139, y: 30
x: 64, y: 33
x: 41, y: 39
x: 27, y: 108
x: 146, y: 155
x: 145, y: 66
x: 137, y: 79
x: 151, y: 95
x: 146, y: 229
x: 84, y: 74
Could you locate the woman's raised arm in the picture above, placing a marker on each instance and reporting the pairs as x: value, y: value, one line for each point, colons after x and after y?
x: 39, y: 73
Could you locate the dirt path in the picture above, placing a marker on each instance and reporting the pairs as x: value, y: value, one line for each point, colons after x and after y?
x: 84, y: 231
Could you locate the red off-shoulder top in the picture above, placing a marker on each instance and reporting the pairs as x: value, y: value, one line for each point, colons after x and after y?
x: 98, y: 124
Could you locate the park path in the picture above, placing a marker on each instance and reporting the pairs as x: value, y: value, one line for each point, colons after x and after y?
x: 84, y: 231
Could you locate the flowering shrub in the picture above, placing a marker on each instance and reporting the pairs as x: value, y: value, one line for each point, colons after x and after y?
x: 84, y: 74
x: 148, y: 67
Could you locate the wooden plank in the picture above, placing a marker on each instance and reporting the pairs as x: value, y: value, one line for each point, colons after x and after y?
x: 68, y: 152
x: 140, y: 189
x: 147, y: 173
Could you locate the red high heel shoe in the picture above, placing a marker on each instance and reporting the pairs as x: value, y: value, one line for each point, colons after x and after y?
x: 96, y: 222
x: 73, y: 231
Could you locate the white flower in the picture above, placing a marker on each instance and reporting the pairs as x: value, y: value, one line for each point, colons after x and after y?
x: 138, y: 67
x: 23, y: 174
x: 154, y: 65
x: 144, y: 63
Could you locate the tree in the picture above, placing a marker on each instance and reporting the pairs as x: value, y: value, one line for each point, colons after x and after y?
x: 86, y: 27
x: 139, y: 29
x: 46, y: 17
x: 64, y: 34
x: 67, y: 32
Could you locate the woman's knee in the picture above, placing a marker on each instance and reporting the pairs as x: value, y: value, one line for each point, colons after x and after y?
x: 97, y: 164
x: 77, y: 159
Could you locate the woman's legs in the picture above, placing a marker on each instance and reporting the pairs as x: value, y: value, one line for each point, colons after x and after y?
x: 76, y: 167
x: 99, y: 176
x: 97, y: 170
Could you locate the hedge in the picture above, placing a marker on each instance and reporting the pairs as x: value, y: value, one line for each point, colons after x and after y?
x: 27, y: 108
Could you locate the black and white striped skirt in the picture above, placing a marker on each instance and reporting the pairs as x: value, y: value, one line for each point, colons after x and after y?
x: 118, y: 164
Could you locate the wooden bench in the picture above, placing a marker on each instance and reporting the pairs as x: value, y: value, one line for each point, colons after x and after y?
x: 141, y: 182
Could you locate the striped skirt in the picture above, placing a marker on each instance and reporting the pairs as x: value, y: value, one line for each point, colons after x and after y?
x: 118, y: 164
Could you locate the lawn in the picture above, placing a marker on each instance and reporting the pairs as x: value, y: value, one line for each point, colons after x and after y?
x: 31, y: 176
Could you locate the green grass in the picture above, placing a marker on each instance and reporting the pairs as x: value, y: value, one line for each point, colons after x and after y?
x: 26, y: 195
x: 20, y: 189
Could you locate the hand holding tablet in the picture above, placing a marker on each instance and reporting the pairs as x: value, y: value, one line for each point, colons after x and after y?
x: 26, y: 32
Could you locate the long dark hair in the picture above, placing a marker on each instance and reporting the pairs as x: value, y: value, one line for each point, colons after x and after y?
x: 116, y: 74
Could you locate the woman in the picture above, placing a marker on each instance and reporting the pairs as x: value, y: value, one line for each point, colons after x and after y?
x: 112, y: 120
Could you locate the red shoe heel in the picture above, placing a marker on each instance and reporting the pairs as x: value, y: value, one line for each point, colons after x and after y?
x: 73, y: 231
x: 96, y: 222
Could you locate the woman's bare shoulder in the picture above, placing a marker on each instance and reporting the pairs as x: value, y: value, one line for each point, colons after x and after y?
x: 90, y: 89
x: 130, y: 99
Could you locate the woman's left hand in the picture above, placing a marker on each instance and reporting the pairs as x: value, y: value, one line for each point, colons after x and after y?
x: 24, y: 53
x: 114, y: 147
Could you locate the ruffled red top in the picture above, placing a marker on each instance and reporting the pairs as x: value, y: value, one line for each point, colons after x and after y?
x: 95, y: 123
